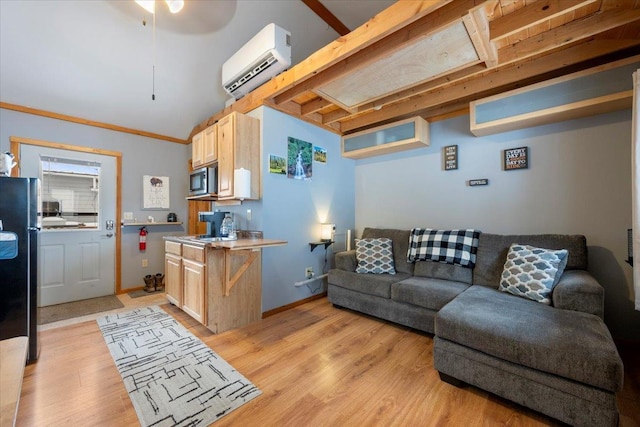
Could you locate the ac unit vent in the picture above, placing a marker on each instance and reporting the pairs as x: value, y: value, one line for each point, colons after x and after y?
x: 262, y: 65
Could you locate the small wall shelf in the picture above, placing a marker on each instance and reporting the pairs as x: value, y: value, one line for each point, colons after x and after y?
x: 391, y: 138
x: 326, y: 244
x: 594, y: 91
x: 145, y: 224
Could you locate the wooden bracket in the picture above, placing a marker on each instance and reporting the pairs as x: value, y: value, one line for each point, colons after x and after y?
x: 230, y: 282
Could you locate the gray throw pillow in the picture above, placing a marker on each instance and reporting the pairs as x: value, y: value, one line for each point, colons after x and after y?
x: 532, y: 272
x: 375, y: 256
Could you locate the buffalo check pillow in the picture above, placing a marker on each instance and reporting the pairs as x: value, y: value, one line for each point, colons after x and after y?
x: 457, y: 247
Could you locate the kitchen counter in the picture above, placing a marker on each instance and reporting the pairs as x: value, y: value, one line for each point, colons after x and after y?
x: 238, y: 244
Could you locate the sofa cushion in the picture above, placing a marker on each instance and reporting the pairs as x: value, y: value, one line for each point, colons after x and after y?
x: 426, y: 292
x: 372, y: 284
x: 532, y: 272
x: 493, y: 248
x: 457, y: 247
x: 570, y: 344
x: 441, y: 270
x: 400, y: 240
x: 375, y: 256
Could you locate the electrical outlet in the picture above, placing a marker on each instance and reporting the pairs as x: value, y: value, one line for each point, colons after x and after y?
x: 145, y: 262
x: 248, y: 214
x: 308, y: 272
x: 128, y: 215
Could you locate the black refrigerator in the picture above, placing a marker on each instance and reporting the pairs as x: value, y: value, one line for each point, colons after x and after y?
x: 18, y: 260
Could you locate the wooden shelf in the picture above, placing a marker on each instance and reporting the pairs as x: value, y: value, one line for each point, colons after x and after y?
x: 138, y: 224
x: 392, y: 138
x: 597, y: 90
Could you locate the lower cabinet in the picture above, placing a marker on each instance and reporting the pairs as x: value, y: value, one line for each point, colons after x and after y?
x: 194, y: 290
x: 173, y: 278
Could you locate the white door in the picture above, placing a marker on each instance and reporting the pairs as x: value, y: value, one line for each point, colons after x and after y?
x: 76, y: 254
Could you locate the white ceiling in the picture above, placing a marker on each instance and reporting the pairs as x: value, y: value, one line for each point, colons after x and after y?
x: 94, y: 59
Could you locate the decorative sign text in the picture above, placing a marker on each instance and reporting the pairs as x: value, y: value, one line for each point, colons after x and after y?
x: 516, y: 158
x: 476, y: 182
x: 450, y: 153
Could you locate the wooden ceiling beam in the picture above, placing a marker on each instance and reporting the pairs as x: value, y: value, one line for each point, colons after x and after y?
x: 314, y: 105
x: 569, y: 33
x: 499, y: 79
x: 477, y: 24
x: 328, y: 17
x: 532, y: 14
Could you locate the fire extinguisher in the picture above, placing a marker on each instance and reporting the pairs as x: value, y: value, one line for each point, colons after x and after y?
x: 142, y: 244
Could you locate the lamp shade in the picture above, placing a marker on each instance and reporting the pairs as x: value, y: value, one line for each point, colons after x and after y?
x: 326, y: 232
x: 242, y: 184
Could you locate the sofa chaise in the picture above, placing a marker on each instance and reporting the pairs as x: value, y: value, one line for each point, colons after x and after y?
x: 557, y: 357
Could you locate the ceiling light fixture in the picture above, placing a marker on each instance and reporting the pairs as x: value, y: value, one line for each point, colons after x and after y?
x: 175, y: 6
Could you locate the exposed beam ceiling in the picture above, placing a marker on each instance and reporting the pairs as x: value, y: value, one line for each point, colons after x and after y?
x: 514, y: 43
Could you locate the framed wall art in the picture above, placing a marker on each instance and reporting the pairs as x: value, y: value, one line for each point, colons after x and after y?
x: 515, y: 158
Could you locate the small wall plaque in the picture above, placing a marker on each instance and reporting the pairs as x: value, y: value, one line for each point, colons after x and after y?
x: 479, y: 181
x: 450, y: 154
x: 516, y: 158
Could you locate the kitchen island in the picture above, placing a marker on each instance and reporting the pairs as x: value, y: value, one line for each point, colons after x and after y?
x: 217, y: 282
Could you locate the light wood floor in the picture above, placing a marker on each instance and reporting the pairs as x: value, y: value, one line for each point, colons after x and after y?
x: 316, y: 366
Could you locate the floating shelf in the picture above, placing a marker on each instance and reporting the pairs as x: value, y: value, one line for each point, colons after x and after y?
x: 326, y: 244
x: 597, y: 90
x: 392, y: 138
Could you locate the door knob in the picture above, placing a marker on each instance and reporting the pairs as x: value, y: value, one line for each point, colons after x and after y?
x: 108, y: 235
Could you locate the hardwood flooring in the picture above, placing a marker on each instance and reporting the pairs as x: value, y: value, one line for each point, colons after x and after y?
x: 315, y: 364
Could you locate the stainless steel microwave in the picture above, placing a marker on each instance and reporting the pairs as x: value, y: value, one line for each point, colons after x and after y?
x: 203, y: 181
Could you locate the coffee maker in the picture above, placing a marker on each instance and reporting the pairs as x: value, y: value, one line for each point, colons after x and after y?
x: 213, y: 220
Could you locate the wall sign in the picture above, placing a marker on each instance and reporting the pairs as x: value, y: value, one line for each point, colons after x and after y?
x: 479, y: 181
x: 516, y: 158
x: 450, y: 155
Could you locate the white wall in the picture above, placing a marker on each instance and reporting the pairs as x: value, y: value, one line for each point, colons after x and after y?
x: 140, y: 156
x: 292, y: 209
x: 578, y: 182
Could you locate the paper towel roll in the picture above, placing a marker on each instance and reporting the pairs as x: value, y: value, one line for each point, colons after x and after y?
x: 241, y: 183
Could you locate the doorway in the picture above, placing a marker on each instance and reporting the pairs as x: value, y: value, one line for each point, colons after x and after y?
x: 79, y: 248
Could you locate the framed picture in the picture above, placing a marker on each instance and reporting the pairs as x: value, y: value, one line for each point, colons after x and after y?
x: 300, y: 159
x: 515, y: 158
x: 155, y: 192
x: 277, y: 164
x: 319, y: 154
x: 450, y: 156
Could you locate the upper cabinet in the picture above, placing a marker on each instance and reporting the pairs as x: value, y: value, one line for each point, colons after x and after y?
x: 197, y: 150
x: 238, y: 147
x: 232, y: 143
x: 210, y: 145
x: 204, y: 147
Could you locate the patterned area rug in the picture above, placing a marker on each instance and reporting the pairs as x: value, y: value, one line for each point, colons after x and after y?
x: 172, y: 377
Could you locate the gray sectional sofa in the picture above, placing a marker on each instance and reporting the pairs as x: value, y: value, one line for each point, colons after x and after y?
x: 557, y: 359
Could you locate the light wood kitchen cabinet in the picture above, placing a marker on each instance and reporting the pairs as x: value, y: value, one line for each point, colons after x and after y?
x: 204, y: 147
x: 173, y: 278
x: 173, y: 272
x: 194, y: 289
x: 197, y: 150
x: 210, y: 145
x: 238, y: 138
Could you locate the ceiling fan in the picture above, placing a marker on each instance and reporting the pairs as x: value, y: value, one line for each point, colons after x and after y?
x: 175, y: 6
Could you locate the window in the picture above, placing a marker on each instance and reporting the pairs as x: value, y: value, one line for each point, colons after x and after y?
x: 70, y: 193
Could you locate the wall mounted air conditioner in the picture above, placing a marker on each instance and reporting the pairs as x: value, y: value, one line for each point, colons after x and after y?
x: 267, y: 54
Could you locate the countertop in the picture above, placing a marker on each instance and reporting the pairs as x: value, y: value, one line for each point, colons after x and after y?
x: 227, y: 244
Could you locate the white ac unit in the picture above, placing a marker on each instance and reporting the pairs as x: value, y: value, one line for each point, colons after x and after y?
x: 266, y: 55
